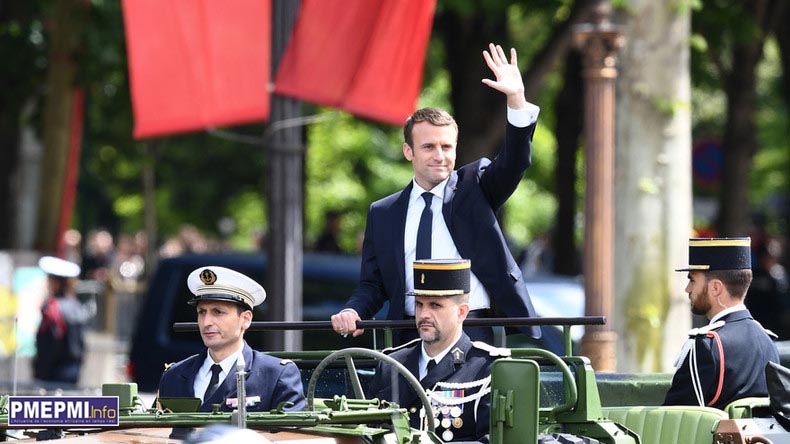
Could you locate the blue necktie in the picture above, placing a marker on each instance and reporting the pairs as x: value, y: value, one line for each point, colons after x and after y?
x: 424, y: 230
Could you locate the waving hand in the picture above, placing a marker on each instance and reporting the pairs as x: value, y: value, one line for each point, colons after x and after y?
x: 508, y: 77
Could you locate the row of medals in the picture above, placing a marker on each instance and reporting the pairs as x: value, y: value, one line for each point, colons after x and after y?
x: 450, y: 416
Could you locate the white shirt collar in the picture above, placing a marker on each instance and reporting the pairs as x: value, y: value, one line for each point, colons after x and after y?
x: 727, y: 311
x: 417, y: 190
x: 226, y: 364
x: 424, y: 358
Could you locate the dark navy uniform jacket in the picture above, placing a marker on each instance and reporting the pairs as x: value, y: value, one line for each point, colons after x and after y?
x: 466, y: 362
x: 472, y: 196
x: 746, y: 350
x: 271, y: 379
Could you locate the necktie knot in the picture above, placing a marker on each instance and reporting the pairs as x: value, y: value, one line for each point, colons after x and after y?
x: 428, y: 197
x: 431, y: 365
x: 216, y: 369
x: 428, y: 367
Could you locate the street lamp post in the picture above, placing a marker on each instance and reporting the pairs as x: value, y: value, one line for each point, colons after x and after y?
x: 285, y: 194
x: 599, y: 42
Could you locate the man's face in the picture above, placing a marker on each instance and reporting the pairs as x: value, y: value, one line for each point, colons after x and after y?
x: 438, y: 318
x: 433, y: 154
x: 697, y: 290
x: 221, y: 326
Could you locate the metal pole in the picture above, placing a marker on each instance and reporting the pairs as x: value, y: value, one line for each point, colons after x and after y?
x: 285, y: 194
x: 599, y: 42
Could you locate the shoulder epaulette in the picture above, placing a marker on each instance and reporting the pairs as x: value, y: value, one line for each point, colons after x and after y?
x: 389, y: 350
x: 492, y: 351
x: 770, y: 333
x: 170, y: 364
x: 706, y: 328
x: 286, y: 362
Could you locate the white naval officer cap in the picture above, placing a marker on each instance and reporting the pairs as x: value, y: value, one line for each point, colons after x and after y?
x: 223, y: 284
x: 56, y: 266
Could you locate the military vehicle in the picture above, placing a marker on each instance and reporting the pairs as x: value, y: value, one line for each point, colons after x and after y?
x: 327, y: 281
x: 536, y: 397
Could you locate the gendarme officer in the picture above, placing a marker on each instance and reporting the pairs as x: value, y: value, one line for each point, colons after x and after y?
x: 724, y: 360
x: 224, y: 299
x: 454, y: 371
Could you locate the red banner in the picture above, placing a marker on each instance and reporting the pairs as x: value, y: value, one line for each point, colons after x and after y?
x: 364, y: 57
x: 197, y: 64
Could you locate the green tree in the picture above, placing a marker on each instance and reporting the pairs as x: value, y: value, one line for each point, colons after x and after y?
x: 733, y: 36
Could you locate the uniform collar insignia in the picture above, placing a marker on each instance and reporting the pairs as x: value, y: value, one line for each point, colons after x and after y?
x: 458, y: 355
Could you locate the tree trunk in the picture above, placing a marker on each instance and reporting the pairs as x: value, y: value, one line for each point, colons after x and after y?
x: 783, y: 38
x: 475, y: 106
x: 64, y: 37
x: 652, y: 186
x: 739, y: 142
x: 20, y: 76
x: 479, y: 110
x: 570, y: 110
x: 9, y: 138
x: 740, y: 129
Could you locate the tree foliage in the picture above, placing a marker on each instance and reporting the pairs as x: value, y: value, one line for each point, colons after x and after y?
x: 202, y: 178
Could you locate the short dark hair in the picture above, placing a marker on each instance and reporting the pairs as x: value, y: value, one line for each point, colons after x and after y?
x: 434, y: 116
x: 736, y: 281
x: 460, y: 298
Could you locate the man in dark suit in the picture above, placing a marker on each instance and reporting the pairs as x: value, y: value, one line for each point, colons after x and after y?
x: 454, y: 370
x: 224, y: 300
x: 455, y: 209
x: 724, y: 360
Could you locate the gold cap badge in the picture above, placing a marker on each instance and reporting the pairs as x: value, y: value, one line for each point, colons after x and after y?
x: 208, y: 277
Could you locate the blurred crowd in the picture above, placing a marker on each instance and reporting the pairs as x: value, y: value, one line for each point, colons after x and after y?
x: 115, y: 269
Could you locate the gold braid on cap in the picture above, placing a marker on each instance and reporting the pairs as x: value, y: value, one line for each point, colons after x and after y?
x: 439, y: 266
x: 438, y: 292
x: 228, y: 289
x: 720, y: 242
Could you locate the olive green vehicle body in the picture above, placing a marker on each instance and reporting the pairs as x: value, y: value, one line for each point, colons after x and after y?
x: 536, y: 397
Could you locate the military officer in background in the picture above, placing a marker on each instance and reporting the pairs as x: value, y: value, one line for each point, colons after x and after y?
x: 726, y: 359
x: 454, y: 371
x: 224, y: 299
x: 60, y: 339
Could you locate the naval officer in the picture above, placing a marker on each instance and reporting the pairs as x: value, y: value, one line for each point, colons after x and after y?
x: 224, y: 300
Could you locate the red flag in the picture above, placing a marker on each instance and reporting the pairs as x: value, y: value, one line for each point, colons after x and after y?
x: 197, y: 64
x: 364, y: 57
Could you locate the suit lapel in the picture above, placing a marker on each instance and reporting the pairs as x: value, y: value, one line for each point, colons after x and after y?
x: 406, y: 394
x: 444, y: 370
x: 187, y: 375
x: 398, y: 227
x: 447, y: 204
x: 453, y: 361
x: 228, y: 387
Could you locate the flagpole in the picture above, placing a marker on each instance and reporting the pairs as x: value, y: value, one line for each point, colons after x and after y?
x: 285, y: 196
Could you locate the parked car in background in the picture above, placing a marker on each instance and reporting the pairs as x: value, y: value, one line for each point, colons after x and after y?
x: 328, y: 281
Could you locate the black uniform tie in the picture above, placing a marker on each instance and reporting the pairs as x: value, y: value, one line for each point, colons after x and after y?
x: 424, y: 230
x: 214, y: 382
x: 429, y: 367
